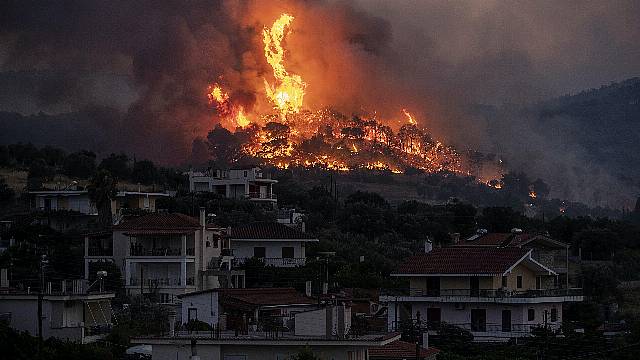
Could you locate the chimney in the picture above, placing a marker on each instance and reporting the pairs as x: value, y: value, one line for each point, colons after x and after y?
x: 428, y: 246
x: 4, y: 279
x: 455, y: 237
x: 203, y: 217
x: 307, y: 289
x: 172, y: 323
x: 425, y: 339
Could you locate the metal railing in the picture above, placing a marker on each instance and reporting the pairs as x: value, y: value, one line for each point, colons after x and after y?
x: 477, y: 327
x: 142, y: 251
x: 160, y: 282
x: 488, y: 293
x: 277, y: 262
x: 257, y: 195
x: 96, y: 251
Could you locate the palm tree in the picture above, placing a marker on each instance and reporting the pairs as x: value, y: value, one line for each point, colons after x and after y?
x: 102, y: 189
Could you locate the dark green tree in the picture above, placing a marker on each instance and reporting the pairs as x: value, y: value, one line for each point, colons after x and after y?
x: 102, y: 189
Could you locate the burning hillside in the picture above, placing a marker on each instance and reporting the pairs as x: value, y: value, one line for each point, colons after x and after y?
x: 291, y: 135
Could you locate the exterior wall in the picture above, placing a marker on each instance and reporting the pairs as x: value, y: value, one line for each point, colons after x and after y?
x: 80, y: 203
x: 273, y: 249
x: 528, y: 278
x: 256, y: 352
x: 311, y: 323
x: 206, y: 305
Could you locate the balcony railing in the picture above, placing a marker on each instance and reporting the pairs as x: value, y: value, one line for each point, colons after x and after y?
x: 100, y: 252
x: 488, y: 293
x: 277, y: 262
x: 480, y: 327
x: 257, y: 195
x: 142, y: 251
x: 161, y: 282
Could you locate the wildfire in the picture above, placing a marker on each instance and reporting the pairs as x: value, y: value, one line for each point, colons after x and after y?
x: 288, y: 91
x: 234, y: 114
x: 295, y: 136
x: 532, y: 192
x: 409, y: 117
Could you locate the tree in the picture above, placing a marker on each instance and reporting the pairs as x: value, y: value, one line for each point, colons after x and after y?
x: 6, y: 193
x: 225, y: 147
x: 144, y: 172
x: 81, y: 164
x: 305, y: 354
x: 102, y: 189
x: 118, y: 165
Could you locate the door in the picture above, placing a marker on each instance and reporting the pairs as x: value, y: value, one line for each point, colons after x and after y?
x: 287, y: 252
x: 433, y: 317
x: 192, y: 314
x: 506, y: 320
x: 474, y: 286
x: 433, y: 286
x: 259, y: 252
x: 479, y: 320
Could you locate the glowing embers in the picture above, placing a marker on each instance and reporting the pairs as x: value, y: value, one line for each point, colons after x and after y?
x: 231, y: 115
x: 287, y: 92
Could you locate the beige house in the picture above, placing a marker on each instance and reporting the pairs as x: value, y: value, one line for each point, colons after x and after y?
x: 496, y: 293
x: 246, y: 183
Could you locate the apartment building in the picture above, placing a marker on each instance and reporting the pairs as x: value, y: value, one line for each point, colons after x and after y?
x: 248, y: 183
x: 163, y: 253
x: 496, y: 293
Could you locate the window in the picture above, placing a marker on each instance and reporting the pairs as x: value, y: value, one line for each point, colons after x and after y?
x: 146, y: 202
x: 245, y: 174
x: 519, y: 281
x: 531, y: 315
x: 504, y: 281
x: 506, y: 320
x: 554, y: 315
x: 215, y: 243
x: 556, y: 281
x: 433, y: 316
x: 538, y: 282
x: 208, y: 244
x: 259, y: 252
x: 193, y: 314
x: 287, y: 252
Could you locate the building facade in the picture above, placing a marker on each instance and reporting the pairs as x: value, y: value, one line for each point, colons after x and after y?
x: 275, y: 244
x: 249, y: 183
x: 496, y: 293
x: 159, y: 253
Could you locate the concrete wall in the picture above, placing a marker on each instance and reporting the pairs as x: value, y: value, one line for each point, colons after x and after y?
x: 206, y: 305
x: 273, y: 249
x: 255, y: 352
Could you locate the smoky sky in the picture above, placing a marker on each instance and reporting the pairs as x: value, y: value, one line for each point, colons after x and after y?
x: 137, y: 70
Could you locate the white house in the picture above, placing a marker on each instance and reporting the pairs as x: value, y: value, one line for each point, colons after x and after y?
x: 496, y: 293
x: 249, y: 183
x: 165, y: 253
x: 274, y: 243
x: 71, y: 200
x: 238, y: 308
x: 68, y: 313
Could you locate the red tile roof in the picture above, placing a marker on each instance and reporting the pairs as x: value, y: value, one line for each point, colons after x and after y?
x: 159, y: 222
x: 267, y: 296
x: 463, y: 260
x: 267, y: 230
x: 399, y: 350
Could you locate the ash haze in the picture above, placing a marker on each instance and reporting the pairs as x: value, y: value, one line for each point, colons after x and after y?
x: 133, y: 74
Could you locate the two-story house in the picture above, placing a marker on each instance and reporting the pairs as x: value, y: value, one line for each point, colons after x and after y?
x: 166, y: 253
x: 496, y: 293
x: 275, y: 244
x: 249, y: 183
x: 551, y: 253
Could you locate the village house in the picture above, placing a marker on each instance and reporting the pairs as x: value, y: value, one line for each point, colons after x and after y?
x: 163, y: 253
x: 69, y: 311
x: 267, y: 324
x: 249, y: 183
x: 242, y: 308
x: 496, y: 293
x: 275, y: 244
x: 549, y: 252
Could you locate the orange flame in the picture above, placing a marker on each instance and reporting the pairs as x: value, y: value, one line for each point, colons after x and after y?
x: 409, y: 117
x: 288, y: 91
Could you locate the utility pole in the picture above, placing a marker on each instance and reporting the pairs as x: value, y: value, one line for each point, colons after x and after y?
x: 41, y: 268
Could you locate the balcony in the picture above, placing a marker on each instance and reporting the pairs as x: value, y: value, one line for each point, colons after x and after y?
x: 260, y: 196
x: 96, y: 251
x: 161, y: 282
x: 483, y: 295
x: 277, y: 262
x: 137, y: 250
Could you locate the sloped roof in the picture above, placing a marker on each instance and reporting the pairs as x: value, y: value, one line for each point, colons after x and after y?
x: 463, y: 260
x: 267, y: 230
x: 399, y: 350
x: 247, y: 299
x: 159, y: 222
